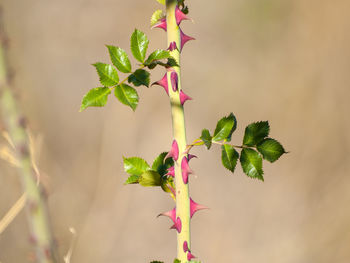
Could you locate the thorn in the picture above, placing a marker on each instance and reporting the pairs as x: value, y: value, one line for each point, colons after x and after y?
x: 190, y: 156
x: 163, y: 82
x: 184, y: 38
x: 161, y: 24
x: 174, y: 152
x: 184, y: 97
x: 172, y: 46
x: 190, y: 256
x: 171, y: 214
x: 174, y: 80
x: 194, y: 207
x: 185, y: 170
x: 179, y: 15
x: 177, y: 225
x: 185, y: 247
x: 171, y: 171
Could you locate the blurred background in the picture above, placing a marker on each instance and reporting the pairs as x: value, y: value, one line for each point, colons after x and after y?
x: 283, y: 61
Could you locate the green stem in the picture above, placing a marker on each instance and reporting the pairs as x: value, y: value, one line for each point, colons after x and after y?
x: 35, y: 206
x: 179, y: 132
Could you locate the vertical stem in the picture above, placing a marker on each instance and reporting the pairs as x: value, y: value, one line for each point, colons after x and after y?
x: 179, y: 132
x: 35, y: 207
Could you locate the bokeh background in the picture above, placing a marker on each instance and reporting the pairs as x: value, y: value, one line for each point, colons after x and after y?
x: 283, y: 61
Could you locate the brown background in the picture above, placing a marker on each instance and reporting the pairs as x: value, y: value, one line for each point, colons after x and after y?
x: 285, y: 61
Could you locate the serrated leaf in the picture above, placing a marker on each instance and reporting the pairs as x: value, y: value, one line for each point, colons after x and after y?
x: 140, y: 77
x: 119, y: 58
x: 172, y: 62
x: 157, y: 55
x: 229, y: 157
x: 251, y: 163
x: 133, y: 179
x: 256, y: 132
x: 150, y: 178
x: 160, y: 165
x: 161, y: 2
x: 206, y: 138
x: 139, y: 45
x: 96, y: 97
x: 107, y: 73
x: 135, y: 165
x: 156, y: 16
x: 224, y: 128
x: 270, y: 149
x: 127, y: 95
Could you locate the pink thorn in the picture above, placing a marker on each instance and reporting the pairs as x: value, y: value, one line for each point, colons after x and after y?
x: 184, y: 97
x: 172, y: 46
x: 190, y: 256
x: 171, y: 171
x: 174, y: 152
x: 190, y: 156
x: 185, y: 169
x: 163, y: 82
x: 171, y: 214
x: 185, y: 246
x: 161, y: 24
x: 184, y: 38
x: 174, y: 80
x: 179, y: 15
x: 194, y: 207
x: 177, y: 225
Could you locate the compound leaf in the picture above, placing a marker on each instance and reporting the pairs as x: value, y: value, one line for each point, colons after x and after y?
x: 206, y: 138
x: 133, y: 179
x: 119, y: 59
x: 139, y: 45
x: 135, y: 166
x: 270, y: 149
x: 107, y: 73
x: 96, y: 97
x: 150, y: 178
x: 127, y: 95
x: 229, y: 157
x: 251, y: 162
x: 140, y: 77
x: 224, y: 128
x: 256, y: 132
x: 157, y: 55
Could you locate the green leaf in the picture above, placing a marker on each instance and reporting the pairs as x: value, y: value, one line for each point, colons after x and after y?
x: 96, y: 97
x: 107, y: 73
x: 256, y: 132
x: 139, y: 45
x: 157, y: 55
x: 140, y: 77
x: 150, y: 178
x: 119, y: 59
x: 206, y: 138
x: 127, y: 95
x: 270, y: 149
x: 172, y: 62
x: 229, y: 157
x: 157, y: 262
x: 161, y: 2
x: 224, y: 128
x: 177, y: 260
x: 133, y: 179
x: 162, y: 166
x: 135, y: 165
x: 251, y: 162
x: 156, y: 16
